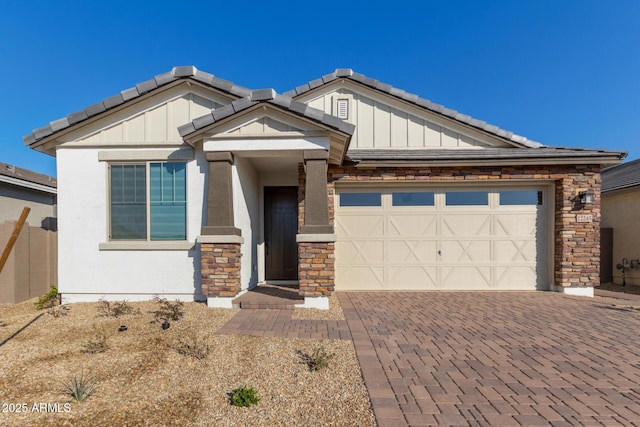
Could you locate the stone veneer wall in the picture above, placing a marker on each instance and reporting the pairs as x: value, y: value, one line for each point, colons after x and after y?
x: 220, y: 269
x: 316, y: 268
x: 577, y: 244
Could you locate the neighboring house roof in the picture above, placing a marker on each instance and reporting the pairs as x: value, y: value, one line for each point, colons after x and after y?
x: 177, y: 73
x: 625, y: 175
x: 269, y: 96
x: 28, y: 179
x: 349, y: 74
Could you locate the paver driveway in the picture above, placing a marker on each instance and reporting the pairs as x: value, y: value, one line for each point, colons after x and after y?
x: 536, y: 358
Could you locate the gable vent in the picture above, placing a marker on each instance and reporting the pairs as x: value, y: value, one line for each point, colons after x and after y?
x: 343, y: 108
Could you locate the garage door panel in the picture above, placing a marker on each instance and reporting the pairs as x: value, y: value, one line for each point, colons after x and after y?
x: 465, y: 250
x: 463, y: 225
x: 466, y: 277
x: 361, y: 251
x: 514, y: 277
x: 438, y: 246
x: 361, y: 278
x: 412, y: 225
x: 515, y: 250
x: 413, y: 277
x: 517, y: 224
x: 362, y: 225
x: 410, y: 251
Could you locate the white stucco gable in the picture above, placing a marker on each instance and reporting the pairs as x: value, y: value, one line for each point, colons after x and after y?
x: 383, y: 121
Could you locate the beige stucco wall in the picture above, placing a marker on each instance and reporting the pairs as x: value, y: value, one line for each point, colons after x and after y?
x: 13, y: 199
x: 32, y: 264
x: 621, y: 211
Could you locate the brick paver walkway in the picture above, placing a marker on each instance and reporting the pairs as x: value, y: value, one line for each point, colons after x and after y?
x: 482, y: 359
x: 278, y: 323
x: 493, y: 359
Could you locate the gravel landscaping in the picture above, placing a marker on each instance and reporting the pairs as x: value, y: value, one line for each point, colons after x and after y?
x: 150, y: 376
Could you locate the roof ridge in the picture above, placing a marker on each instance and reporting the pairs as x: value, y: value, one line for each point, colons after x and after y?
x: 176, y: 73
x: 348, y: 73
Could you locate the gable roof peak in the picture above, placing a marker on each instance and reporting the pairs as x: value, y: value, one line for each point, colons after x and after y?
x: 176, y: 73
x: 270, y: 97
x: 349, y: 74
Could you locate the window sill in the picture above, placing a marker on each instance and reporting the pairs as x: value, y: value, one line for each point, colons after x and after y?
x: 146, y: 246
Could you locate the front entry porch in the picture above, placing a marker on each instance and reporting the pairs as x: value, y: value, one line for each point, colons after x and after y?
x: 276, y: 230
x: 268, y: 296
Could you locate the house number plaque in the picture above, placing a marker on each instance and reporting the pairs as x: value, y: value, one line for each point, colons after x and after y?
x: 584, y: 218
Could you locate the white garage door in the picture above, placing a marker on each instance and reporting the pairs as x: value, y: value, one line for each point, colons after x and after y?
x: 441, y: 239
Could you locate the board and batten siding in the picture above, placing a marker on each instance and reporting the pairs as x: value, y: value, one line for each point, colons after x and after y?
x: 381, y: 125
x: 156, y: 121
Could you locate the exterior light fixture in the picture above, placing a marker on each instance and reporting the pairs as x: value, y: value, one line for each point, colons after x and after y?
x: 586, y: 197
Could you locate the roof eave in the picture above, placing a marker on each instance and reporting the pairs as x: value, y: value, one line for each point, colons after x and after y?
x: 139, y: 92
x: 192, y: 133
x: 487, y: 162
x: 621, y: 189
x: 28, y: 184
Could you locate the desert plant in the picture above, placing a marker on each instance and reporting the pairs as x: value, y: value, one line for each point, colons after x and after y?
x: 168, y: 310
x: 58, y: 311
x: 244, y: 396
x: 318, y: 359
x: 96, y: 344
x: 48, y: 300
x: 193, y: 346
x: 80, y: 388
x: 116, y: 308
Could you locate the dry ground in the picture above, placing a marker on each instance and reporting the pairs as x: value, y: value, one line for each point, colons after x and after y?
x: 143, y: 380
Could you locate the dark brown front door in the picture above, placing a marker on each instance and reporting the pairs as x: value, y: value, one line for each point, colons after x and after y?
x: 281, y: 226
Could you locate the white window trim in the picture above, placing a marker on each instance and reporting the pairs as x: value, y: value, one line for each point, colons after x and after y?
x: 124, y: 244
x: 182, y: 154
x: 150, y: 245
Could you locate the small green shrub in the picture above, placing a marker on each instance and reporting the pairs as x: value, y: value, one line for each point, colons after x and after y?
x: 244, y: 396
x: 116, y: 308
x: 80, y: 388
x: 193, y: 346
x: 97, y: 344
x: 317, y: 360
x: 48, y: 300
x: 168, y: 310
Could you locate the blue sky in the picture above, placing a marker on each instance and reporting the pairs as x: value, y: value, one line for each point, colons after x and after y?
x: 561, y: 73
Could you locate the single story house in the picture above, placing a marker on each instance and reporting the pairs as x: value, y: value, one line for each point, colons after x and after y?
x: 190, y: 186
x: 620, y: 207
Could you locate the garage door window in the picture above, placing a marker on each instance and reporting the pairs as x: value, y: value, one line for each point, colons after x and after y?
x: 467, y: 198
x: 361, y: 199
x: 519, y: 198
x: 421, y: 198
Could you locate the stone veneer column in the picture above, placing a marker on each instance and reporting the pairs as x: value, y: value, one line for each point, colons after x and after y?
x: 220, y: 269
x: 577, y: 244
x: 316, y: 268
x: 316, y: 241
x: 220, y: 242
